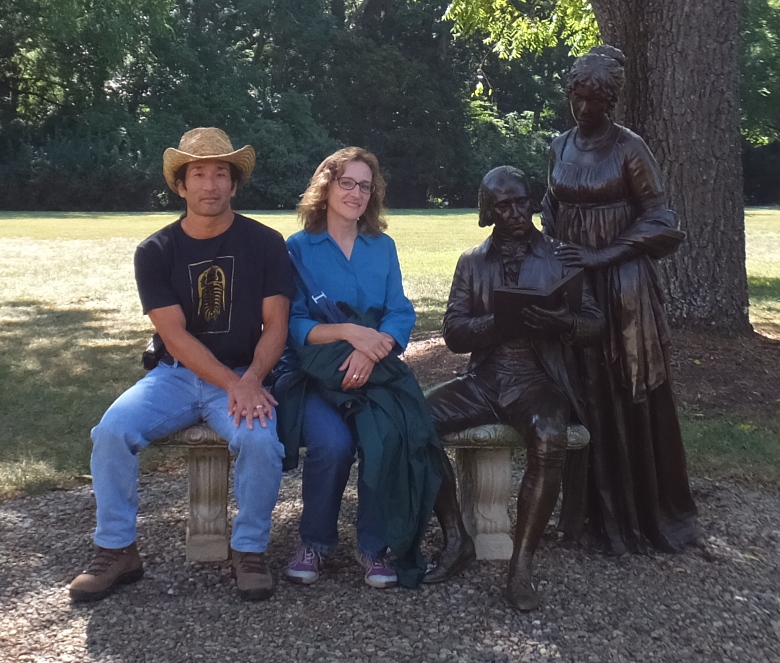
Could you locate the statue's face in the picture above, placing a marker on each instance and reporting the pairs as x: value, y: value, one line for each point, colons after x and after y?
x: 512, y: 209
x: 588, y: 107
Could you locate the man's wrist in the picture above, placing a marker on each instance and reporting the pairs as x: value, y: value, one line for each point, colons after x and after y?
x: 254, y: 374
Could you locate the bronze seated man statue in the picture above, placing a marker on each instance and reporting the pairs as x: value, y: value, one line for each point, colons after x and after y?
x: 525, y: 379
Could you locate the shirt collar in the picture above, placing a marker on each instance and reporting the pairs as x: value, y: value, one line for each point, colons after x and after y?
x: 535, y: 243
x: 316, y: 238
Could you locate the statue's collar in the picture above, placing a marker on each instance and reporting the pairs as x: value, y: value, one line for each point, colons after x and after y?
x: 535, y: 242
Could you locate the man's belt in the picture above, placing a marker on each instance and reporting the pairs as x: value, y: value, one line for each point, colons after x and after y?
x: 167, y: 358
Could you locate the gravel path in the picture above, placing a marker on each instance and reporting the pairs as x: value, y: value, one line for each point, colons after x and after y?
x: 722, y: 605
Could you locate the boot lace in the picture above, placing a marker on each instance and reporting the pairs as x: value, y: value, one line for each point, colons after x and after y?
x: 102, y: 561
x: 253, y: 563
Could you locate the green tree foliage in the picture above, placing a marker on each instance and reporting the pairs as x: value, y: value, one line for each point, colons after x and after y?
x: 515, y: 27
x: 515, y: 30
x: 760, y: 96
x: 760, y: 68
x: 93, y: 91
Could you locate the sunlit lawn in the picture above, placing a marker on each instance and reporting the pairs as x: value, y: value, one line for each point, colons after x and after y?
x: 763, y: 267
x: 72, y: 329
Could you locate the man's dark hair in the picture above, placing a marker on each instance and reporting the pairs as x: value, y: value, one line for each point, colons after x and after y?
x: 493, y: 180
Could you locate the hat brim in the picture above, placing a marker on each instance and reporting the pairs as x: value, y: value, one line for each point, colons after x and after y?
x: 173, y: 159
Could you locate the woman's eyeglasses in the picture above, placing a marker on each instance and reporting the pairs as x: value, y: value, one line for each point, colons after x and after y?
x: 347, y: 183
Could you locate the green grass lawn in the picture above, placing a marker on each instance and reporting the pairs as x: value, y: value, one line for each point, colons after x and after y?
x: 72, y: 330
x: 763, y: 266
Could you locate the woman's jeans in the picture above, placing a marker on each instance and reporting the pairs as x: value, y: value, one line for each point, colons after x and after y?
x: 166, y: 400
x: 330, y: 452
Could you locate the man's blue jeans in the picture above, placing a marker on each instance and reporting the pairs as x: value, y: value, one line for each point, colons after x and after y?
x: 166, y: 400
x: 330, y: 452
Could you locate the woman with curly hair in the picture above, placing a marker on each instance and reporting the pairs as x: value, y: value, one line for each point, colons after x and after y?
x: 356, y: 396
x: 605, y: 200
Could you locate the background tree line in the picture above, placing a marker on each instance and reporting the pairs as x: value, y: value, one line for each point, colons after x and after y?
x: 92, y: 92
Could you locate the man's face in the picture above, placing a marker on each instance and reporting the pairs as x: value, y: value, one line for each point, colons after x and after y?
x: 512, y: 209
x: 207, y: 188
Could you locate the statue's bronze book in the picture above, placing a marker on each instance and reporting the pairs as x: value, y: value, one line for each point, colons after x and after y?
x: 509, y: 301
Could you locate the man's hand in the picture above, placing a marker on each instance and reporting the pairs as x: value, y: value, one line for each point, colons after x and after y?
x: 557, y: 321
x: 247, y: 398
x: 373, y: 344
x: 358, y: 369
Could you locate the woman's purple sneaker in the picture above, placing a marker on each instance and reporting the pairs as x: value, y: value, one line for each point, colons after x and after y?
x: 379, y: 573
x: 304, y: 567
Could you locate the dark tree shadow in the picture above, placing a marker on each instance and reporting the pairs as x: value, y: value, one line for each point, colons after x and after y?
x: 60, y: 368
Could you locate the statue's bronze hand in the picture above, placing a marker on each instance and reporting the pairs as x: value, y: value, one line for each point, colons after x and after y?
x: 558, y: 321
x: 579, y: 256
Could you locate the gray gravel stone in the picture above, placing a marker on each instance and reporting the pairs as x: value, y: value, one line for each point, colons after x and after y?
x: 719, y: 604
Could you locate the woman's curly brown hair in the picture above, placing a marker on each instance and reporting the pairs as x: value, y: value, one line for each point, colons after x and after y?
x: 601, y: 70
x: 313, y: 208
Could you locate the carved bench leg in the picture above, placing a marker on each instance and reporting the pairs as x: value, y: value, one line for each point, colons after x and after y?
x: 207, y: 534
x: 485, y: 477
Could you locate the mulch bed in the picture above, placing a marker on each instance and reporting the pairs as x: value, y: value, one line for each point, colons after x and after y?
x: 713, y: 374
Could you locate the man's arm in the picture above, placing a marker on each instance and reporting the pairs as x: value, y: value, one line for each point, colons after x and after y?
x: 170, y: 324
x: 245, y: 393
x: 463, y: 330
x: 248, y: 393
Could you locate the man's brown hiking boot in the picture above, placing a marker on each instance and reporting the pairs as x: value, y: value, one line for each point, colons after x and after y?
x: 253, y: 578
x: 108, y: 569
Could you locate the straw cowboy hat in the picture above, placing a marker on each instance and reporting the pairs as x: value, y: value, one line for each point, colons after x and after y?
x: 206, y: 143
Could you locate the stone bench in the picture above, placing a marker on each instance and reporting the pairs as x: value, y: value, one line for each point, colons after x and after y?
x: 483, y: 464
x: 208, y: 467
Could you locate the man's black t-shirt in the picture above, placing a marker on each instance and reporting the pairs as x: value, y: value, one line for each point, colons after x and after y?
x: 220, y: 282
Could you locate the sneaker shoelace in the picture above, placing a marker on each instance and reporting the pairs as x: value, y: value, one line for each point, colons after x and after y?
x: 308, y: 556
x: 102, y: 561
x: 379, y: 565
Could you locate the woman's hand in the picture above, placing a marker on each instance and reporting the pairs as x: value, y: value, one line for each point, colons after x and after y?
x: 358, y: 368
x: 579, y: 256
x: 371, y: 343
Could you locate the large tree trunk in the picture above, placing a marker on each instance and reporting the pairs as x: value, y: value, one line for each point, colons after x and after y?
x: 682, y: 97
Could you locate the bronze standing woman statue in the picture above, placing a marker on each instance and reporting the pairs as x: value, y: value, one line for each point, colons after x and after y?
x: 605, y: 200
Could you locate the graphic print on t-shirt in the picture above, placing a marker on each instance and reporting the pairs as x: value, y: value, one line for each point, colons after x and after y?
x: 211, y: 286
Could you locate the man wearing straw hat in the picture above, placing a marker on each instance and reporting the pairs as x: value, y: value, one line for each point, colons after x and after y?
x: 217, y: 286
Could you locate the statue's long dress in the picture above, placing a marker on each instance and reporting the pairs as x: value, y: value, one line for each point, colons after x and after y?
x: 630, y: 486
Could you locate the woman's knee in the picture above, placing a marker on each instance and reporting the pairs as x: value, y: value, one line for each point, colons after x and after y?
x: 325, y: 433
x: 330, y: 444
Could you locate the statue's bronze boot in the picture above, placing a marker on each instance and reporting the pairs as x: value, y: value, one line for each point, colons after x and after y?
x: 535, y: 503
x: 454, y: 558
x: 458, y: 550
x: 520, y: 592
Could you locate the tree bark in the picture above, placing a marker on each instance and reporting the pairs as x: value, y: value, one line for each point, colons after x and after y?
x: 682, y: 97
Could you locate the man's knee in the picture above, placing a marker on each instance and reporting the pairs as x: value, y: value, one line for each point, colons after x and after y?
x: 547, y: 436
x: 455, y: 405
x: 114, y: 428
x: 261, y: 443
